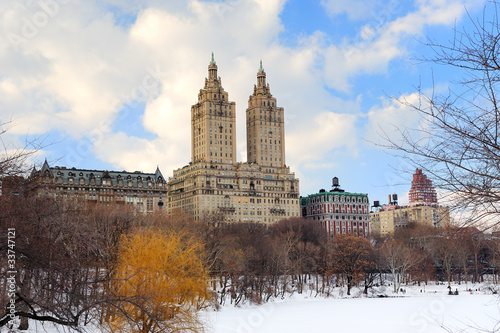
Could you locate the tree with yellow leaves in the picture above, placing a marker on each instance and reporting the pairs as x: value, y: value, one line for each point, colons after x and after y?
x: 160, y: 281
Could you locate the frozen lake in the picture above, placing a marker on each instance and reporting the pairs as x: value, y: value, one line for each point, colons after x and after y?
x: 413, y: 312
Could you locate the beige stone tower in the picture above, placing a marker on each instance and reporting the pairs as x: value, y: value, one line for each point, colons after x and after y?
x: 213, y: 123
x: 214, y: 184
x: 265, y: 126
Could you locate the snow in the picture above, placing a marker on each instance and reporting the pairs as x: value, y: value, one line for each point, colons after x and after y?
x: 413, y: 311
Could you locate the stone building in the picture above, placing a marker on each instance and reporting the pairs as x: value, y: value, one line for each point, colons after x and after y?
x: 389, y: 219
x: 338, y: 212
x: 214, y: 183
x: 144, y: 192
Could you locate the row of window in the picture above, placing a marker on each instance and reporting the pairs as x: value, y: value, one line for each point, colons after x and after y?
x: 218, y: 211
x: 252, y: 200
x: 344, y: 208
x: 108, y: 182
x: 337, y: 198
x: 221, y: 154
x: 343, y: 224
x: 216, y: 160
x: 104, y: 191
x: 262, y: 103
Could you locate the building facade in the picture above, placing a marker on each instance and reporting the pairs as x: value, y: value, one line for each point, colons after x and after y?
x: 143, y: 192
x: 389, y: 219
x: 338, y: 212
x: 213, y: 123
x: 260, y: 190
x: 265, y: 126
x: 422, y: 191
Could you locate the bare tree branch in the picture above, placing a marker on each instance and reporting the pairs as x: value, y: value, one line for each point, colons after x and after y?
x: 457, y: 139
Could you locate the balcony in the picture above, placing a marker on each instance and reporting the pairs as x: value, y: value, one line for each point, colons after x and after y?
x: 227, y: 210
x: 277, y: 211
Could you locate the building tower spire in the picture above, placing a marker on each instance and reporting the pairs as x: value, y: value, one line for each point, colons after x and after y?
x: 261, y: 77
x: 212, y: 69
x: 265, y: 126
x: 213, y: 123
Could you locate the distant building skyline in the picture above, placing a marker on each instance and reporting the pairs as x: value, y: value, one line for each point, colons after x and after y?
x: 106, y: 100
x: 422, y: 209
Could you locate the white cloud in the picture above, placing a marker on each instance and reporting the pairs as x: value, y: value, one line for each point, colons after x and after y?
x: 320, y: 136
x: 390, y: 118
x: 132, y: 153
x: 398, y: 114
x: 381, y: 40
x: 82, y: 67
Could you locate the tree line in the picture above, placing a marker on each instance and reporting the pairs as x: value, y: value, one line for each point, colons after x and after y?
x: 254, y: 262
x: 78, y: 263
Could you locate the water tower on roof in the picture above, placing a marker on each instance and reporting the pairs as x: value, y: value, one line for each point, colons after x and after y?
x: 335, y: 185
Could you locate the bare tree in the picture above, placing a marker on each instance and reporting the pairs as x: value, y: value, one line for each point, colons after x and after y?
x: 463, y: 252
x: 14, y: 159
x: 352, y: 257
x: 457, y: 141
x: 494, y: 250
x: 399, y: 259
x: 63, y: 257
x: 445, y: 252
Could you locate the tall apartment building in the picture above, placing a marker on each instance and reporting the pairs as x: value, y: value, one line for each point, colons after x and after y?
x: 143, y: 192
x: 260, y: 190
x: 338, y: 212
x: 265, y: 126
x: 423, y: 209
x: 422, y: 191
x: 213, y: 123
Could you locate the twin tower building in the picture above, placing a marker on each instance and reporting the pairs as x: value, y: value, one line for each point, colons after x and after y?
x: 214, y: 184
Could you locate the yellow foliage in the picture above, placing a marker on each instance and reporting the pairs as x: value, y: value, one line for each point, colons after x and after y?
x: 160, y: 282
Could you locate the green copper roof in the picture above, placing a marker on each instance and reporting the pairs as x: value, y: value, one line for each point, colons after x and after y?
x: 213, y: 61
x: 303, y: 200
x: 262, y: 69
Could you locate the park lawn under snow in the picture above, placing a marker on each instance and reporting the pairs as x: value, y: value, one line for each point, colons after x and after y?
x: 413, y: 311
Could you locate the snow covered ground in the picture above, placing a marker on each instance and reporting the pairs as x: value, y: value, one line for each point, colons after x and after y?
x: 413, y: 311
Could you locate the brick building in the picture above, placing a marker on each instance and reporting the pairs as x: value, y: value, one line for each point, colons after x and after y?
x: 338, y: 212
x: 422, y: 191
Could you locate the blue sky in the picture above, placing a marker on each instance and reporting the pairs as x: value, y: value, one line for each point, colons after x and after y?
x: 109, y: 84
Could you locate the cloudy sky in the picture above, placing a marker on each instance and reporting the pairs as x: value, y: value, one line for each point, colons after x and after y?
x: 109, y: 84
